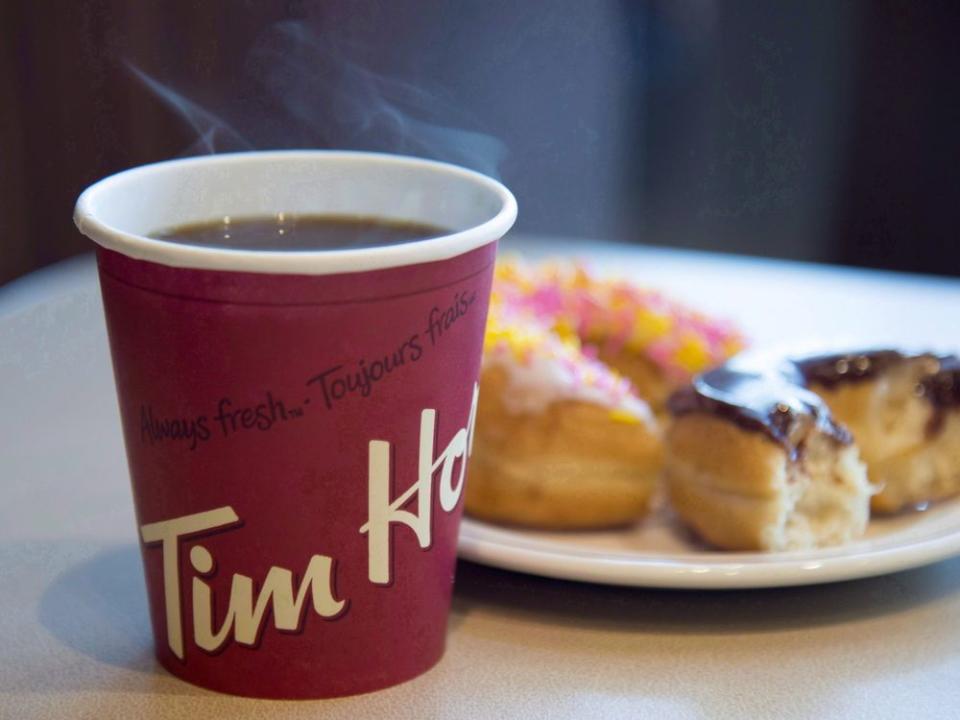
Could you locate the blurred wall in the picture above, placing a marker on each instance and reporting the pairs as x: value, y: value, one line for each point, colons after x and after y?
x: 809, y: 129
x: 747, y: 108
x: 900, y: 189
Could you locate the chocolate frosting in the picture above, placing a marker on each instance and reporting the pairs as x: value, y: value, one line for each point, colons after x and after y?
x: 776, y: 401
x: 942, y: 390
x: 773, y: 401
x: 940, y: 385
x: 838, y: 368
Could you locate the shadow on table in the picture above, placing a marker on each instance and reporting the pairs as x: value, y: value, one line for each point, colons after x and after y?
x: 98, y: 607
x: 546, y: 600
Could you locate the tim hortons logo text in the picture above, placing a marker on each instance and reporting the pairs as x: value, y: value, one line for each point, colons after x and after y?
x: 280, y: 596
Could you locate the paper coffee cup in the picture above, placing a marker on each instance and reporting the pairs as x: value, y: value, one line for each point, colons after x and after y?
x: 297, y: 423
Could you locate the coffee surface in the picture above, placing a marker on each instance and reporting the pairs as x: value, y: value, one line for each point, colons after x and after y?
x: 286, y: 231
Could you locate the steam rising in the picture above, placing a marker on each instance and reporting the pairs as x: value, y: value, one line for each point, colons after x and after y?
x: 212, y: 132
x: 321, y: 98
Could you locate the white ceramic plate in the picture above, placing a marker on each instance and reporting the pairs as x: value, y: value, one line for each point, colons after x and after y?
x: 659, y: 553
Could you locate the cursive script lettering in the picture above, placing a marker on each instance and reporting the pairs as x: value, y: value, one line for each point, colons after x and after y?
x: 245, y: 616
x: 384, y: 513
x: 154, y: 429
x: 169, y: 532
x: 339, y: 381
x: 441, y: 319
x: 261, y: 416
x: 280, y: 596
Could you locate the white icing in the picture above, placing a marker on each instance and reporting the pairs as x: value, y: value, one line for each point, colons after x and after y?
x: 543, y: 378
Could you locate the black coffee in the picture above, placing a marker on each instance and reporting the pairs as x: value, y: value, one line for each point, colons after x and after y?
x: 285, y: 231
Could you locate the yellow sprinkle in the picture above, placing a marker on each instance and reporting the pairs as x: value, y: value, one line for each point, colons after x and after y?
x: 619, y: 301
x: 565, y: 330
x: 621, y: 415
x: 693, y: 354
x: 581, y: 279
x: 647, y: 327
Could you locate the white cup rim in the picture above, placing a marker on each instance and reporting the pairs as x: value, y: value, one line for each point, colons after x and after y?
x: 298, y: 262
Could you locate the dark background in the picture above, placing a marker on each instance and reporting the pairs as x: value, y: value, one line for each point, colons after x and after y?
x: 820, y: 130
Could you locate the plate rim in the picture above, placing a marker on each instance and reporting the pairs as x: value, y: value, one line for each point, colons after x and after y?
x: 507, y: 549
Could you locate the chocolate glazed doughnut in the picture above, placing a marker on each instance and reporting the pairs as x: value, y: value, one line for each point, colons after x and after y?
x: 767, y: 456
x: 904, y: 412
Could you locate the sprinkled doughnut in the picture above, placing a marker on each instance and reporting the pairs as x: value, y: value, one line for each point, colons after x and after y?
x: 657, y: 343
x: 563, y: 440
x: 767, y: 455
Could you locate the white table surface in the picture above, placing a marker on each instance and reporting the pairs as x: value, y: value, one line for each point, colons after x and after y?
x: 74, y: 633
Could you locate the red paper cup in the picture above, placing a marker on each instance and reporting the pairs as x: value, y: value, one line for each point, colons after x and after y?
x: 297, y: 423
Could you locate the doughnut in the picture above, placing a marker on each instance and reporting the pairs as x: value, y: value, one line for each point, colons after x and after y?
x: 655, y: 342
x: 766, y: 455
x: 903, y: 409
x: 563, y: 440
